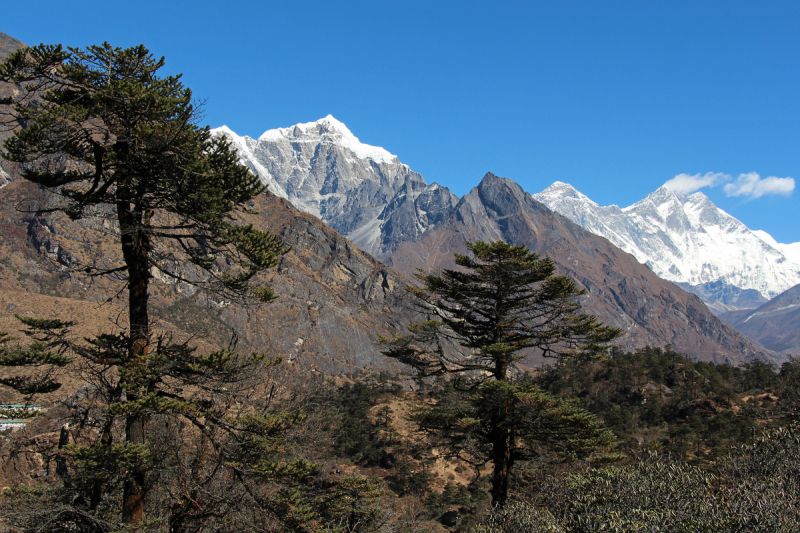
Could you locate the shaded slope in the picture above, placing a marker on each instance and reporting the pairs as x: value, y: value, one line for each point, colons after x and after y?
x: 774, y: 325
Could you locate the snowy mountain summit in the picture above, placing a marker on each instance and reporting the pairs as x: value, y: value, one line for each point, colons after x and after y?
x: 362, y: 191
x: 686, y: 239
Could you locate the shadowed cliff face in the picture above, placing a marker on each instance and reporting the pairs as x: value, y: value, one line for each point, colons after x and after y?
x: 620, y: 291
x: 775, y: 325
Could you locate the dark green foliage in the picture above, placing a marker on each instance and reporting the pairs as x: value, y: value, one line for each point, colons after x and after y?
x: 537, y: 424
x: 357, y: 439
x: 503, y: 303
x: 406, y: 481
x: 756, y: 490
x: 45, y: 354
x: 789, y: 404
x: 692, y: 409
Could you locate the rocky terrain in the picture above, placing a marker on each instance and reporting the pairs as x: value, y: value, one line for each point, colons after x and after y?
x: 333, y: 298
x: 686, y: 239
x: 620, y: 291
x: 775, y: 325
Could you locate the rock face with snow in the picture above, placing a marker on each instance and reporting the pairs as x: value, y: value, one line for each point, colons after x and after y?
x: 363, y: 192
x: 688, y: 240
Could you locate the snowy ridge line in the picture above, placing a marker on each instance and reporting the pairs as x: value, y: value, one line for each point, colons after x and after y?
x: 362, y: 191
x: 334, y: 131
x: 773, y: 311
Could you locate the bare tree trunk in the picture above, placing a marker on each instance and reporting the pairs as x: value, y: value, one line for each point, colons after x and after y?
x: 501, y: 457
x: 135, y: 249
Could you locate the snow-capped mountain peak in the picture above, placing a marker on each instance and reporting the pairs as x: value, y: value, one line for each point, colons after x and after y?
x: 562, y: 190
x: 362, y: 191
x: 686, y: 239
x: 329, y: 129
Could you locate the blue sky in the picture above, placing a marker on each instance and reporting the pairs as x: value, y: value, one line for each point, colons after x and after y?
x: 615, y: 98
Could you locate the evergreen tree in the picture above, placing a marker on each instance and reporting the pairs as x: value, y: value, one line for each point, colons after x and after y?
x: 45, y: 355
x: 503, y: 303
x: 110, y: 138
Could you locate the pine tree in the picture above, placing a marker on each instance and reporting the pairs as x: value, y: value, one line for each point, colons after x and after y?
x: 502, y: 304
x: 110, y: 138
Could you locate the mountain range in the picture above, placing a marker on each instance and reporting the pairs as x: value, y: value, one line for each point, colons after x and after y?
x: 367, y: 194
x: 334, y: 298
x: 686, y: 239
x: 363, y: 192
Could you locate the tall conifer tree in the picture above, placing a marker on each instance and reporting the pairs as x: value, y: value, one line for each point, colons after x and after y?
x: 111, y: 138
x: 502, y: 304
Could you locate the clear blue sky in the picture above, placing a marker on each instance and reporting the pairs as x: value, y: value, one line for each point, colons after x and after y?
x: 615, y: 98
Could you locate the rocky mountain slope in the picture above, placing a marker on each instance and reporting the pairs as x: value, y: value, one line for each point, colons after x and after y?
x: 620, y: 291
x: 333, y: 298
x: 775, y: 325
x: 8, y: 44
x: 688, y: 240
x: 363, y: 192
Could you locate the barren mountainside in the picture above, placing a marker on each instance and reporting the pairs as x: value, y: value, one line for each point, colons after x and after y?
x: 333, y: 298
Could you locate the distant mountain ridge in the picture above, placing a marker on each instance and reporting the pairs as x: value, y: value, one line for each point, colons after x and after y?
x: 775, y: 325
x: 686, y: 239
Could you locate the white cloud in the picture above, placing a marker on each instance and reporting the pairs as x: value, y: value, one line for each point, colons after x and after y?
x: 752, y: 185
x: 686, y: 183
